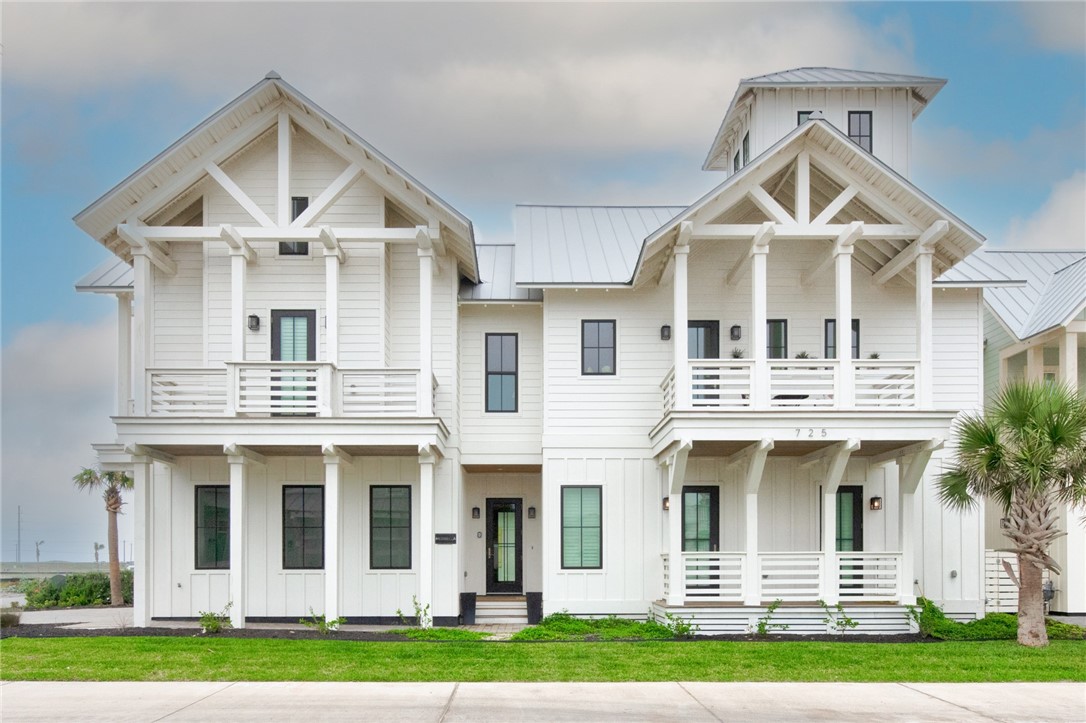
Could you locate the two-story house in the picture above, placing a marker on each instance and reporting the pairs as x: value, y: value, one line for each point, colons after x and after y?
x: 331, y: 397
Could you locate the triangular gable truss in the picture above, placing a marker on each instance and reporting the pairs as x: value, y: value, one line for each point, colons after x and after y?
x: 816, y: 184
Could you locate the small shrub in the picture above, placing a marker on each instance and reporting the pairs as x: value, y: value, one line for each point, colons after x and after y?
x: 994, y: 626
x: 765, y: 625
x: 10, y: 617
x: 836, y: 617
x: 563, y: 626
x: 74, y: 590
x: 321, y: 624
x: 423, y: 619
x: 679, y: 627
x: 212, y: 623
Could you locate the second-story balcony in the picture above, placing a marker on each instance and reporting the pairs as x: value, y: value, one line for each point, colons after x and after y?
x: 742, y: 384
x: 284, y: 389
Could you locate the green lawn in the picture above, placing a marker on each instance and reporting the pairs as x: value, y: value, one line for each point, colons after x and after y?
x: 214, y: 659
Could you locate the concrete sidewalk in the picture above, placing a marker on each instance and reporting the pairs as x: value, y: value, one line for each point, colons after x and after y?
x: 580, y: 702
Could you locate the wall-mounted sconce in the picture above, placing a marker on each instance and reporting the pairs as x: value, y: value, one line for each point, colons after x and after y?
x: 876, y: 503
x: 254, y: 322
x: 667, y: 504
x: 665, y: 332
x: 474, y: 513
x: 736, y: 333
x: 531, y: 513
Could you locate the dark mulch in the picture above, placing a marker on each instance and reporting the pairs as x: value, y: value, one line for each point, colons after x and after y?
x: 57, y: 631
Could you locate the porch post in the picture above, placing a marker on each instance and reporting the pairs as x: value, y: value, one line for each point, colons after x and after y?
x: 676, y: 572
x: 909, y: 475
x: 237, y: 306
x: 427, y: 459
x: 1069, y: 359
x: 333, y: 479
x: 837, y: 461
x: 1035, y: 363
x: 759, y: 320
x: 924, y: 321
x: 681, y: 322
x: 752, y: 579
x: 142, y: 302
x: 331, y: 307
x: 124, y: 354
x: 846, y: 389
x: 239, y: 478
x: 426, y: 300
x: 143, y: 507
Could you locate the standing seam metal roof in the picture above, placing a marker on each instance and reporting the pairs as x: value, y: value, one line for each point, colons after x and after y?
x: 1053, y: 293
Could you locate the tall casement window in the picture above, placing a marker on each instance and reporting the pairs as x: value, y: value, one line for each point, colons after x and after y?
x: 598, y: 347
x: 298, y: 204
x: 303, y: 527
x: 390, y: 527
x: 746, y: 148
x: 803, y: 116
x: 831, y: 339
x: 859, y: 128
x: 501, y: 372
x: 212, y: 527
x: 582, y: 528
x: 776, y: 344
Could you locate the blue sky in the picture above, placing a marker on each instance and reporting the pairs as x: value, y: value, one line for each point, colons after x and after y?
x: 489, y: 106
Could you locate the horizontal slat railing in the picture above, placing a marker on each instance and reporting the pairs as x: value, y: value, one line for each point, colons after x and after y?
x: 720, y: 383
x: 868, y: 576
x: 802, y: 382
x: 191, y: 392
x: 667, y: 575
x: 668, y: 388
x: 713, y: 576
x: 882, y: 384
x: 377, y: 392
x: 790, y: 575
x: 280, y: 388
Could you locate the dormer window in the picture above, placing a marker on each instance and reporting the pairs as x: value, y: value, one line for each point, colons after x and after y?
x: 859, y: 128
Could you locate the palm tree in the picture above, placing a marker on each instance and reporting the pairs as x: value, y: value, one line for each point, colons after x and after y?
x: 111, y: 484
x: 1028, y: 454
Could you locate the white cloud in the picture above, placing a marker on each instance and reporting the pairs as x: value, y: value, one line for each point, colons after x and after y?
x: 1060, y: 223
x: 1059, y: 26
x: 58, y: 391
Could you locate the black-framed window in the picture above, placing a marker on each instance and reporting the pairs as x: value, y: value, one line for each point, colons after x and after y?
x: 298, y: 204
x: 703, y: 340
x: 390, y: 527
x: 598, y: 347
x: 859, y: 128
x: 212, y: 527
x: 735, y: 162
x: 582, y: 527
x: 303, y: 527
x: 803, y: 116
x: 776, y: 339
x: 746, y: 148
x: 501, y: 372
x: 831, y: 338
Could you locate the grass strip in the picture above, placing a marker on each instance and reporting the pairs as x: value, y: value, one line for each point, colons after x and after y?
x: 163, y: 659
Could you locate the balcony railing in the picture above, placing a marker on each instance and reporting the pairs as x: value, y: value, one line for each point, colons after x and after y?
x: 283, y: 389
x: 729, y: 384
x: 788, y: 576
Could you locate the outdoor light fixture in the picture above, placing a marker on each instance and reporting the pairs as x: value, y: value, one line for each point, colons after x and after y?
x: 876, y: 503
x: 474, y: 513
x: 254, y: 322
x: 665, y: 332
x: 531, y: 513
x: 667, y: 504
x: 736, y: 333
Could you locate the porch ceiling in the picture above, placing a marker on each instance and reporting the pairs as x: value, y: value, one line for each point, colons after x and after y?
x: 796, y: 448
x: 286, y: 450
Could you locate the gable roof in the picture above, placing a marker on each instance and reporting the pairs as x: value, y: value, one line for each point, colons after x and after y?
x: 112, y: 276
x: 923, y: 90
x: 183, y: 161
x: 1053, y: 292
x: 582, y: 245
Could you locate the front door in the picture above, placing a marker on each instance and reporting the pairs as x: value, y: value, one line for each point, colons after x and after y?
x: 701, y: 519
x: 294, y: 339
x: 504, y: 546
x: 850, y: 518
x: 703, y: 342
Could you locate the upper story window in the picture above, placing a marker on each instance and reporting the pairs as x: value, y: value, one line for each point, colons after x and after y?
x: 212, y: 527
x: 303, y: 527
x: 501, y: 372
x: 803, y: 116
x: 776, y: 339
x: 746, y: 148
x: 598, y: 347
x: 298, y: 205
x: 859, y: 128
x: 831, y: 338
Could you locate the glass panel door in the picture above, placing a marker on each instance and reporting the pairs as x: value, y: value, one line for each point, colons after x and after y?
x: 504, y: 556
x: 294, y: 339
x: 701, y: 519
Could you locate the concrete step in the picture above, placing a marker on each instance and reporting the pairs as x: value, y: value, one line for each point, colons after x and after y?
x: 501, y: 620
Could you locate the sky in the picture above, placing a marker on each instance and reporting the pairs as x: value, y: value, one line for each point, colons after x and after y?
x: 489, y: 106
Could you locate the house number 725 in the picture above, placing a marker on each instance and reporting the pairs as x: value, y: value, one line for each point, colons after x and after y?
x: 811, y: 433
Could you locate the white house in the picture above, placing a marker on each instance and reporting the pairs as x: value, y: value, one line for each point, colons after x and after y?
x: 332, y: 397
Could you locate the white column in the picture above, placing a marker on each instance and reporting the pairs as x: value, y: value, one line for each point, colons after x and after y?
x: 124, y: 354
x: 679, y: 333
x: 924, y: 343
x: 238, y: 320
x: 759, y: 317
x: 426, y: 528
x: 142, y: 505
x: 331, y: 304
x: 1035, y: 363
x: 142, y: 299
x: 846, y: 387
x: 752, y: 585
x: 676, y: 573
x: 906, y: 515
x: 1069, y: 360
x: 239, y: 477
x: 829, y: 543
x: 333, y: 476
x: 426, y: 333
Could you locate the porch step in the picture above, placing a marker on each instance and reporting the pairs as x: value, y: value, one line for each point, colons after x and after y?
x: 501, y: 610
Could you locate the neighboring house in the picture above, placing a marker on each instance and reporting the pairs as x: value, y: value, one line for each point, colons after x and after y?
x: 1036, y: 330
x: 331, y: 397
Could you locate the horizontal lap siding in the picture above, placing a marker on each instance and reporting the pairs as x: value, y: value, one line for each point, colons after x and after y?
x: 956, y: 382
x: 178, y: 312
x: 501, y: 433
x: 996, y: 339
x: 404, y: 306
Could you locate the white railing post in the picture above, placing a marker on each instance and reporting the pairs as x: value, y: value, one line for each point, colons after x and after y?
x: 924, y: 323
x: 681, y: 322
x: 142, y: 303
x: 324, y: 390
x: 845, y: 398
x: 233, y: 390
x: 759, y: 320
